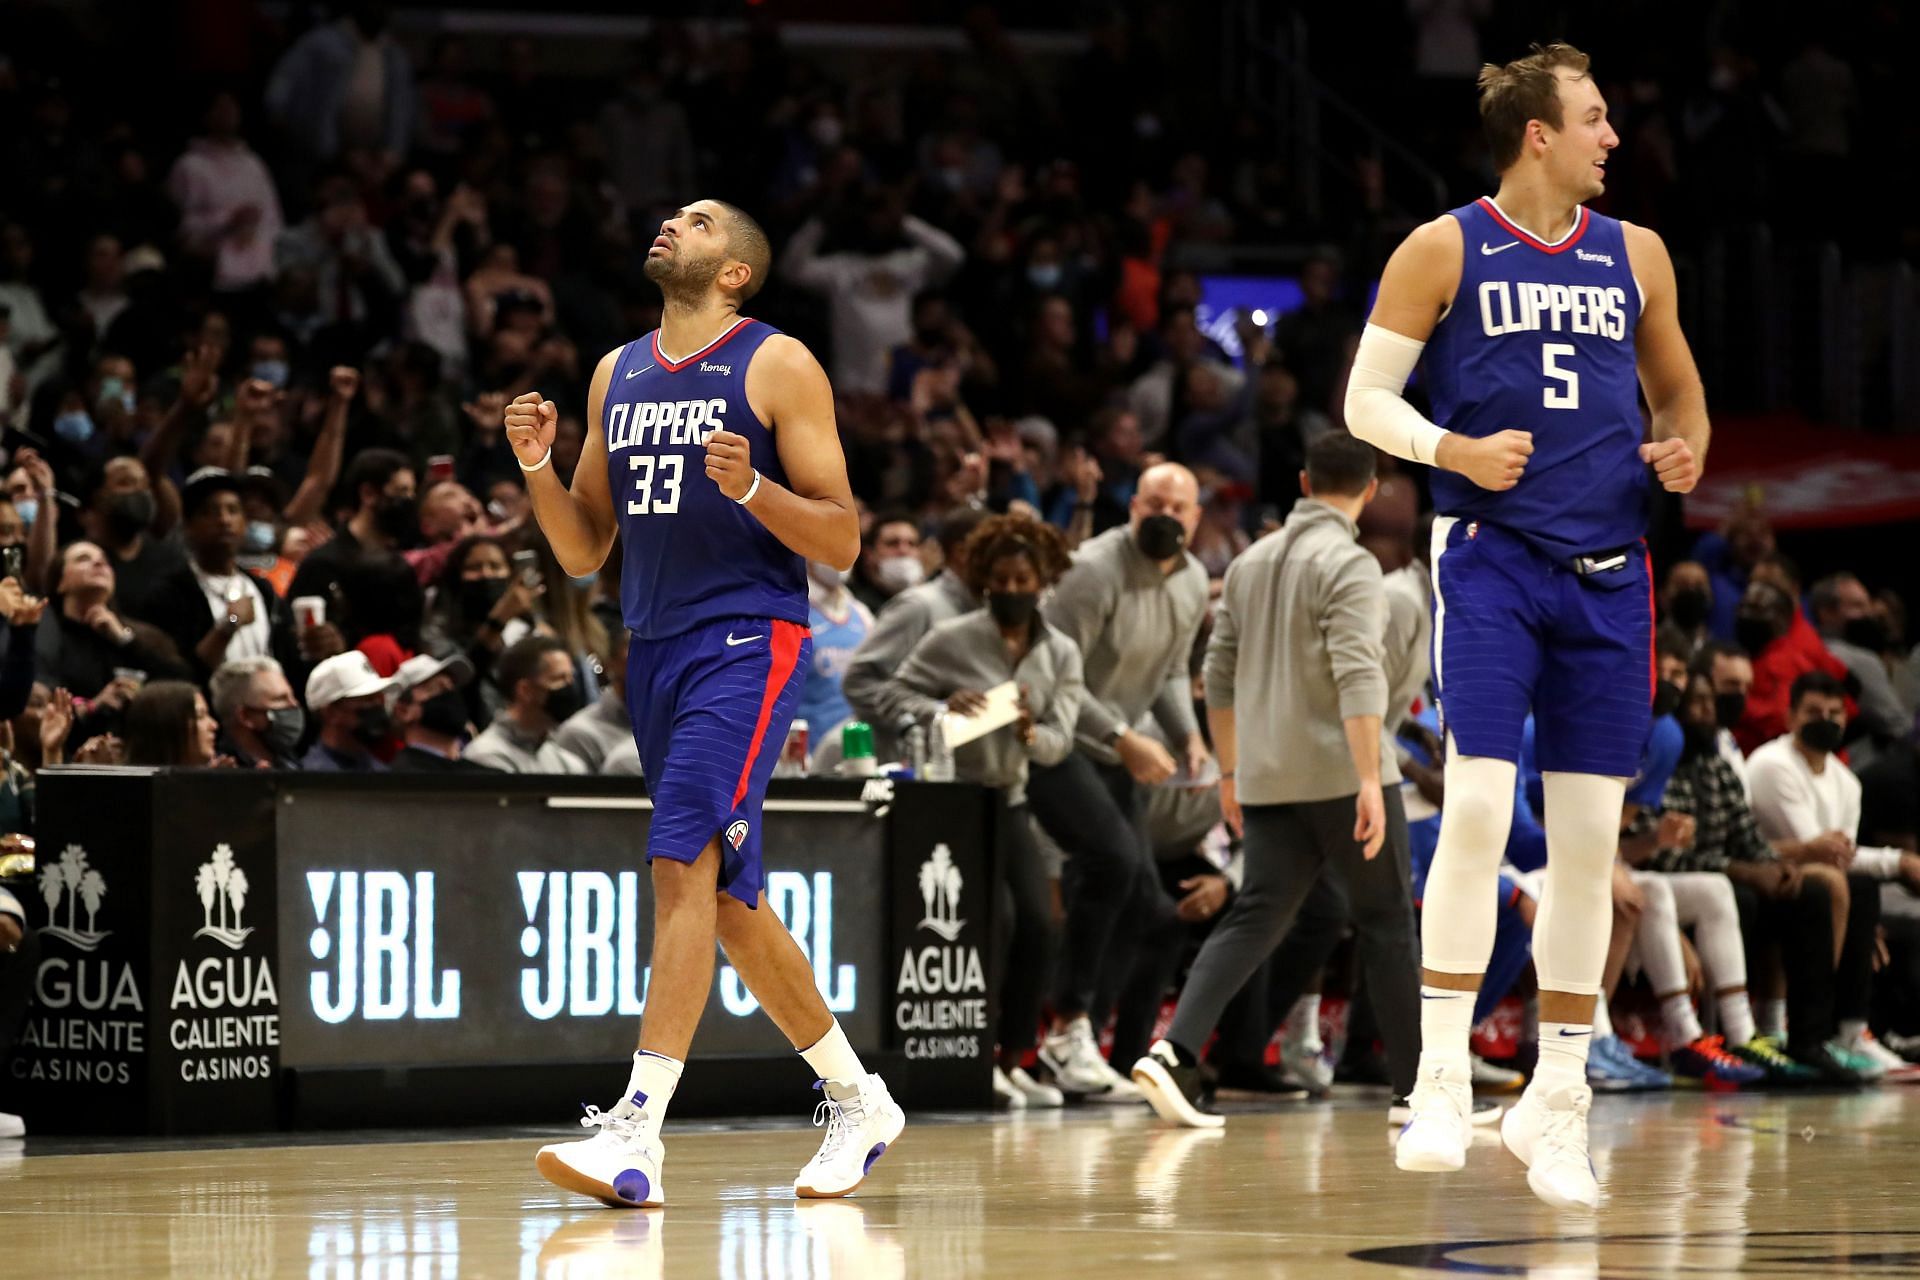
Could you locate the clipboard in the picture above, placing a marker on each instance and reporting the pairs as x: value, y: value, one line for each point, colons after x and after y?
x: 1002, y: 709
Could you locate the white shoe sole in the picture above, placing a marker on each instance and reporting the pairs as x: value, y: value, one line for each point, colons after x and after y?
x: 1065, y: 1081
x: 1411, y: 1159
x: 886, y: 1144
x: 554, y: 1168
x: 1164, y: 1096
x: 1551, y: 1196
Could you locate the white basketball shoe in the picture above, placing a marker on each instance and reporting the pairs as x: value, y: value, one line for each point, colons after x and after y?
x: 1547, y: 1130
x: 862, y: 1121
x: 618, y: 1166
x: 1436, y: 1138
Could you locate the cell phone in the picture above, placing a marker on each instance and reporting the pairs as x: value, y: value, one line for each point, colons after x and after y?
x: 529, y: 566
x: 13, y: 561
x: 439, y: 468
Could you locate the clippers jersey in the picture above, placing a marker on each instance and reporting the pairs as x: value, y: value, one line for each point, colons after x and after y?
x: 1540, y: 338
x: 690, y: 554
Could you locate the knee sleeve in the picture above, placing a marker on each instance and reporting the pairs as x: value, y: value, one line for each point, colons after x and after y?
x: 1576, y: 910
x: 1457, y: 912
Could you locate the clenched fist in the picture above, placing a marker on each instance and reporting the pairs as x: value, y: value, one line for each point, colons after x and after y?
x: 730, y: 463
x: 1493, y: 462
x: 531, y: 422
x: 1673, y: 462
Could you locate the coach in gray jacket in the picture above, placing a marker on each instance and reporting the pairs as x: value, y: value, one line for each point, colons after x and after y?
x: 1297, y: 697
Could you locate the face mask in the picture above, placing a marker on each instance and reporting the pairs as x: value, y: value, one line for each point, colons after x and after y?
x: 273, y: 371
x: 444, y: 713
x: 479, y: 595
x: 285, y: 725
x: 259, y: 539
x: 1822, y: 736
x: 1665, y: 698
x: 1702, y: 739
x: 1729, y: 709
x: 1013, y: 608
x: 114, y: 391
x: 1754, y: 634
x: 1868, y: 633
x: 398, y: 518
x: 130, y: 513
x: 74, y: 426
x: 826, y: 575
x: 29, y: 509
x: 899, y: 573
x: 562, y: 703
x: 1689, y: 608
x: 372, y: 726
x: 1044, y: 275
x: 1160, y: 537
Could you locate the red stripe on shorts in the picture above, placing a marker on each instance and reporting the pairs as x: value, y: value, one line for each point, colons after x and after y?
x: 784, y: 647
x: 1653, y: 625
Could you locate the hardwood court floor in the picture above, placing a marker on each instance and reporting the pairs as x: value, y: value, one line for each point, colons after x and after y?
x: 1699, y: 1185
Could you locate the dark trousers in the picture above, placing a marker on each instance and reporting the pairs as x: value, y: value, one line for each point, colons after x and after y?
x: 1115, y: 908
x: 1290, y: 850
x: 1029, y: 939
x: 1800, y: 929
x: 17, y: 970
x: 1853, y: 980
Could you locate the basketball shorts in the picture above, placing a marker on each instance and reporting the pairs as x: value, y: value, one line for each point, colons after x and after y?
x: 710, y: 710
x: 1516, y: 629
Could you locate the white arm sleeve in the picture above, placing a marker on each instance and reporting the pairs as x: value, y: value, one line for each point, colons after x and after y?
x: 1377, y: 410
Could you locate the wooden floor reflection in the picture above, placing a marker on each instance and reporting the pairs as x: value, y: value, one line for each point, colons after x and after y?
x: 1698, y: 1185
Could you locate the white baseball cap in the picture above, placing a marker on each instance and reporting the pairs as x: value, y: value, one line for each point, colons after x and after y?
x: 344, y: 675
x: 422, y: 667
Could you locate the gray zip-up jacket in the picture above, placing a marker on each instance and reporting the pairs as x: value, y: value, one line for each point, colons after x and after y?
x: 1297, y: 648
x: 1135, y: 628
x: 896, y: 629
x: 968, y: 653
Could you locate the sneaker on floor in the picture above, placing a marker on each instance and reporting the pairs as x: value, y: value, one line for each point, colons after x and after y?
x: 1439, y: 1124
x: 1782, y: 1071
x: 1485, y: 1112
x: 1907, y: 1047
x: 618, y: 1166
x: 1035, y: 1092
x: 1894, y: 1069
x: 1612, y: 1068
x: 1259, y: 1078
x: 1835, y: 1065
x: 1708, y: 1062
x: 1175, y: 1092
x: 1305, y: 1060
x: 1493, y: 1079
x: 862, y: 1121
x: 1119, y: 1088
x: 1547, y: 1131
x: 1005, y: 1093
x: 1073, y: 1057
x: 12, y: 1126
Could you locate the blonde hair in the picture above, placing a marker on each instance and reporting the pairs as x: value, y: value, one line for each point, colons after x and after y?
x: 1525, y: 89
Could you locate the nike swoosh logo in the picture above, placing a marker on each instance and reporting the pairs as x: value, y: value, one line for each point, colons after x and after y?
x: 1565, y: 1032
x: 1425, y: 996
x: 634, y: 373
x: 1484, y: 248
x: 731, y: 642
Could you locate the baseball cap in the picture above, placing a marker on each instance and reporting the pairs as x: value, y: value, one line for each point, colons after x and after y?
x: 344, y: 675
x: 422, y: 667
x: 203, y: 484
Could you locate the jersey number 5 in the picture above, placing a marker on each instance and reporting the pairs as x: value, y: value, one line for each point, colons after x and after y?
x: 666, y: 469
x: 1567, y: 394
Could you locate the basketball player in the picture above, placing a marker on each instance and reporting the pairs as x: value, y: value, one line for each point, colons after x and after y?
x: 716, y: 461
x: 1541, y: 322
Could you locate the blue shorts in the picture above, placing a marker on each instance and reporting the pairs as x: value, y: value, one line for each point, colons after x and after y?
x: 1517, y: 630
x: 710, y: 711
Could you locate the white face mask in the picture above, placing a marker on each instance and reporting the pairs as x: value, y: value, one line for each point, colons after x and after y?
x: 900, y: 572
x: 826, y: 575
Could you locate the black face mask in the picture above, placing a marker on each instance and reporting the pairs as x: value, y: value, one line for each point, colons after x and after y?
x: 372, y: 726
x: 1729, y: 709
x: 1666, y: 697
x: 285, y: 725
x: 1702, y: 739
x: 444, y: 713
x: 1689, y: 608
x: 1868, y: 633
x: 1753, y: 634
x: 1013, y: 608
x: 398, y: 518
x: 130, y: 513
x: 1160, y: 537
x: 479, y: 595
x: 562, y: 703
x: 1821, y: 735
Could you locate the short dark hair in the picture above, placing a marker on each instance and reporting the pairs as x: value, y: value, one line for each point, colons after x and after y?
x: 1826, y: 592
x: 1813, y: 682
x: 374, y: 467
x: 747, y: 242
x: 956, y: 528
x: 1003, y: 536
x: 1669, y: 642
x: 880, y: 521
x: 1525, y: 89
x: 1339, y: 464
x: 1703, y: 658
x: 522, y: 660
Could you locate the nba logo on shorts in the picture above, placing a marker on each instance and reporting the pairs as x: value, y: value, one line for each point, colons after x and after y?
x: 737, y: 834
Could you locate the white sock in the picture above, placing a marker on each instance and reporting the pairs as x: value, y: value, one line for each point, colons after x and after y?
x: 1446, y: 1020
x: 1563, y: 1055
x: 650, y: 1087
x: 1682, y: 1023
x: 1773, y: 1017
x: 1851, y: 1029
x: 1303, y: 1022
x: 1736, y: 1017
x: 832, y: 1058
x: 1602, y: 1018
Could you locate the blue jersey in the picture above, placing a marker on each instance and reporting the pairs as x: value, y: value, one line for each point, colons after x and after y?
x: 1540, y: 338
x: 690, y: 555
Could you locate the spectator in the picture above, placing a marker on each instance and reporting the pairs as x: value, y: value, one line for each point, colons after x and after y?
x: 479, y: 607
x: 19, y: 967
x: 168, y: 724
x: 601, y: 735
x: 339, y: 256
x: 380, y: 606
x: 103, y: 296
x: 537, y: 677
x: 261, y: 722
x: 1730, y: 673
x: 432, y: 715
x: 380, y: 483
x: 1317, y: 339
x: 1284, y: 428
x: 1056, y: 383
x: 30, y: 491
x: 31, y: 335
x: 348, y: 699
x: 649, y: 145
x: 1766, y: 630
x: 1155, y: 396
x: 1686, y: 605
x: 212, y: 609
x: 889, y: 561
x: 346, y: 86
x: 119, y: 517
x: 840, y: 625
x: 1114, y: 439
x: 448, y: 513
x: 566, y: 606
x: 1729, y: 557
x: 85, y: 646
x: 229, y: 210
x: 1855, y: 631
x: 20, y: 615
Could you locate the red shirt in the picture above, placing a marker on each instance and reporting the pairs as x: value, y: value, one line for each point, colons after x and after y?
x: 1775, y: 669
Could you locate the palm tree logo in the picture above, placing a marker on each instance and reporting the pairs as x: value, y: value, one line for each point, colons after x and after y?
x: 940, y: 883
x: 70, y: 881
x: 222, y: 887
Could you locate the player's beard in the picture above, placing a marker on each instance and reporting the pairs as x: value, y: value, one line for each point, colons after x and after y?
x: 683, y: 278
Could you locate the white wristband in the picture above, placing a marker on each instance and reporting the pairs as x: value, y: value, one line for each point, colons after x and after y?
x: 545, y: 458
x: 752, y: 489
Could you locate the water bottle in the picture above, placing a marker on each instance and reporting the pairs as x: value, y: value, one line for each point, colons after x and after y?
x: 856, y: 750
x: 915, y: 738
x: 939, y: 754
